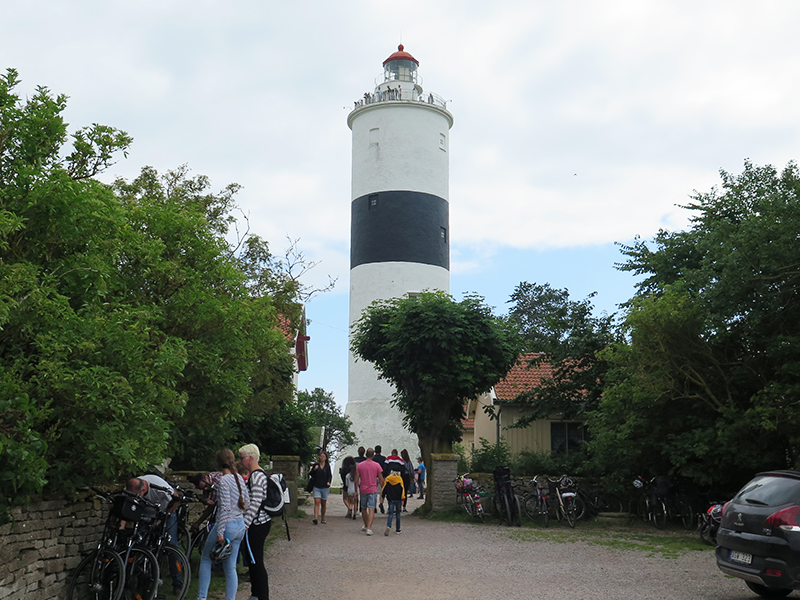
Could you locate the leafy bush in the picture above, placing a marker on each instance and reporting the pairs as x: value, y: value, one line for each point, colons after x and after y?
x: 489, y: 456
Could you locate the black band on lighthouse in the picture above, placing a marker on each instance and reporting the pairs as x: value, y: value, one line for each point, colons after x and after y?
x: 400, y: 227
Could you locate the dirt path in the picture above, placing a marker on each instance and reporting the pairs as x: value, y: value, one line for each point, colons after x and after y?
x: 450, y: 561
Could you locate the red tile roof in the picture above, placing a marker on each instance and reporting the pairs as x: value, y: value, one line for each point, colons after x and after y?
x: 522, y: 377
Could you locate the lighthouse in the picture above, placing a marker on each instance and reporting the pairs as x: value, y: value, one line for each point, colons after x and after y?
x: 399, y: 232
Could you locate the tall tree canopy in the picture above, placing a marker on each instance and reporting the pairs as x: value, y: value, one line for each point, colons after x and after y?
x: 436, y: 352
x: 707, y: 384
x: 130, y: 330
x: 569, y: 337
x: 324, y: 412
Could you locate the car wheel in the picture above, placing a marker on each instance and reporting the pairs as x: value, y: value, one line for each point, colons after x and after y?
x: 768, y: 592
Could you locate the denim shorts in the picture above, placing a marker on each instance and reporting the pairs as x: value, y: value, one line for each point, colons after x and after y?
x: 369, y: 500
x: 321, y: 493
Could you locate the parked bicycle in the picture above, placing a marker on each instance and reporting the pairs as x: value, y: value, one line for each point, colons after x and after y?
x: 708, y: 523
x: 172, y: 561
x: 661, y: 501
x: 506, y: 502
x: 121, y: 566
x: 589, y: 504
x: 563, y: 495
x: 535, y: 502
x: 470, y: 495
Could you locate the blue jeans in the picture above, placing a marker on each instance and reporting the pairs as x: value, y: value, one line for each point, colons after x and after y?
x: 394, y: 509
x: 234, y: 531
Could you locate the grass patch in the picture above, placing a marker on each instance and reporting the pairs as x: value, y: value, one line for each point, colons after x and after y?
x: 628, y: 535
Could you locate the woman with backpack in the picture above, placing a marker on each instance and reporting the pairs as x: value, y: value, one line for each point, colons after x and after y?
x: 348, y: 474
x: 257, y: 522
x: 321, y: 478
x: 232, y: 499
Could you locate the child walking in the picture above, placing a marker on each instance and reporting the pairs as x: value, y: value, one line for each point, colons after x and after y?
x: 394, y: 492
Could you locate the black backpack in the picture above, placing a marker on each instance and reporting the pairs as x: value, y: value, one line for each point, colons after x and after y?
x: 274, y: 503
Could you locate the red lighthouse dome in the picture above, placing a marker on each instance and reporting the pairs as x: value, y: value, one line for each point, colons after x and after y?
x: 401, y: 54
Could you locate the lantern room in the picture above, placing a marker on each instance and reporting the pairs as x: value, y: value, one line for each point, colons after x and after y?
x: 400, y: 67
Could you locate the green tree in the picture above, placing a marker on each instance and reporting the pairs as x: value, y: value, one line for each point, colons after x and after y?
x: 565, y: 334
x: 706, y: 385
x: 285, y: 431
x: 130, y: 329
x: 436, y: 352
x: 326, y: 413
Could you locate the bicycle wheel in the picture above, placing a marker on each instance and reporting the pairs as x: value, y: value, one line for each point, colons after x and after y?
x: 175, y: 573
x: 184, y: 539
x: 479, y: 512
x: 198, y: 541
x: 687, y: 514
x: 469, y: 505
x: 609, y: 503
x: 580, y: 508
x: 506, y: 509
x: 544, y: 511
x: 99, y: 576
x: 530, y: 504
x: 559, y: 504
x: 516, y: 511
x: 643, y: 508
x: 569, y: 511
x: 659, y: 514
x: 141, y: 575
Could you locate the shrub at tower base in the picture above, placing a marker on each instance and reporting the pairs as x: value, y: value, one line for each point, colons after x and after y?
x: 436, y: 352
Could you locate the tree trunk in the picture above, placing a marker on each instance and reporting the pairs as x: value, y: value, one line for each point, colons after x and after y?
x: 430, y: 443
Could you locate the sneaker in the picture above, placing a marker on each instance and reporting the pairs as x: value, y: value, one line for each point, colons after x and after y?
x: 363, y: 528
x: 349, y: 513
x: 369, y: 531
x: 314, y: 521
x: 398, y: 532
x: 388, y: 529
x: 354, y: 516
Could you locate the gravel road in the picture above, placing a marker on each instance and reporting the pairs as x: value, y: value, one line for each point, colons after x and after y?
x: 463, y: 561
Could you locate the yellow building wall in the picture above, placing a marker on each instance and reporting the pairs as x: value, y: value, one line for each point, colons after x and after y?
x: 535, y: 437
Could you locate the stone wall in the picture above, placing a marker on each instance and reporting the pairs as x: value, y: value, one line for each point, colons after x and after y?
x: 47, y: 539
x: 440, y: 485
x: 43, y: 543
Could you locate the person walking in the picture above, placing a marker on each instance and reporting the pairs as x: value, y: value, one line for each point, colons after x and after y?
x: 232, y: 498
x: 408, y: 476
x: 321, y: 477
x: 348, y: 474
x: 394, y: 493
x: 421, y: 478
x: 381, y: 460
x: 257, y: 522
x: 361, y: 452
x: 368, y: 475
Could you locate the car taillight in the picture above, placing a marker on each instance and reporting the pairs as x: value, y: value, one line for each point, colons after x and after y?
x: 725, y: 507
x: 786, y: 519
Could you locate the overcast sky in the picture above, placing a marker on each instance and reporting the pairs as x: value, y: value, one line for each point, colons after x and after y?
x: 577, y: 124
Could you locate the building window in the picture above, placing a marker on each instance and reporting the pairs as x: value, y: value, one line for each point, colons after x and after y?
x: 443, y: 234
x: 373, y: 201
x: 566, y: 436
x: 442, y: 142
x: 413, y: 295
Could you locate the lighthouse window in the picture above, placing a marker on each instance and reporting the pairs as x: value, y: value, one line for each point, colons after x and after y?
x: 442, y: 142
x: 373, y: 201
x: 443, y: 233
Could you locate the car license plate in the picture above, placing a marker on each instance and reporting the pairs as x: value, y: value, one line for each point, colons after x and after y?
x: 741, y: 557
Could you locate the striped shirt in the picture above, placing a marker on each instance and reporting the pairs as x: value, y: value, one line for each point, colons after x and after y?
x: 228, y: 501
x: 257, y: 484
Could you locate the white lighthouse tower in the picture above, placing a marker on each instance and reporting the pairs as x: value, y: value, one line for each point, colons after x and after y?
x: 399, y: 236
